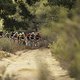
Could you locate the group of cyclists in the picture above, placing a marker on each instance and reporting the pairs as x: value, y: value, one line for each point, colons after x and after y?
x: 31, y: 39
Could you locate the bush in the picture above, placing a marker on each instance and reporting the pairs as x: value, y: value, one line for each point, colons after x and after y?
x: 67, y: 49
x: 75, y: 67
x: 64, y: 42
x: 7, y: 45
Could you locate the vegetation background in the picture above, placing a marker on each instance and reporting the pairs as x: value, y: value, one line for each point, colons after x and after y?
x: 57, y: 20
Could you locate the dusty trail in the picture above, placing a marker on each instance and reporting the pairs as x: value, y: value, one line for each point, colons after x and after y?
x: 32, y: 65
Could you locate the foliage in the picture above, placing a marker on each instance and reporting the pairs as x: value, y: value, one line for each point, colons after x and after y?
x: 1, y: 24
x: 6, y: 45
x: 32, y: 13
x: 66, y: 45
x: 67, y: 3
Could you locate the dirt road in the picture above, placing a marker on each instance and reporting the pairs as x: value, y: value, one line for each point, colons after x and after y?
x: 36, y: 64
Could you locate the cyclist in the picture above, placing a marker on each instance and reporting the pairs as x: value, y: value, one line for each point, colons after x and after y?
x: 37, y: 39
x: 28, y: 39
x: 15, y: 36
x: 23, y: 38
x: 32, y: 39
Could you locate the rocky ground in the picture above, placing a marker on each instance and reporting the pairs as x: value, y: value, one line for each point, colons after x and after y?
x: 36, y: 64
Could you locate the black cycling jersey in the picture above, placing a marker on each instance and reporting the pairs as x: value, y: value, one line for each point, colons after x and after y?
x: 37, y: 37
x: 32, y: 36
x: 28, y: 36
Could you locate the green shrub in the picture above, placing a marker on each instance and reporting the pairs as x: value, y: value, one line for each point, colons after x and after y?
x: 7, y: 45
x: 75, y: 67
x: 67, y: 49
x: 65, y: 43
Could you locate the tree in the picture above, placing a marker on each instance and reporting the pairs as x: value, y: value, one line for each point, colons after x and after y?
x: 66, y: 3
x: 30, y: 14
